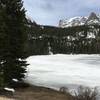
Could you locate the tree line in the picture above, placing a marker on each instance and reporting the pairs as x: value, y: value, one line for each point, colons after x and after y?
x: 72, y: 40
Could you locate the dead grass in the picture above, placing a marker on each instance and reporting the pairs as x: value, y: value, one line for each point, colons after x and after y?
x: 40, y: 93
x: 6, y: 98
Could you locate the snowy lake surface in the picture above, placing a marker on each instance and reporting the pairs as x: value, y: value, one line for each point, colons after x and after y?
x: 71, y: 71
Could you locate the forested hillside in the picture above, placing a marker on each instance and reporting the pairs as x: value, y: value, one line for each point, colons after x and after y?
x: 71, y: 40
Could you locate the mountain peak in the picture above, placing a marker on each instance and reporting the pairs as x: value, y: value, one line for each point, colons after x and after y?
x: 78, y: 21
x: 93, y: 16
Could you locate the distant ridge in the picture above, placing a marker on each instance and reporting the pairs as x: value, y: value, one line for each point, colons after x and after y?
x: 93, y: 18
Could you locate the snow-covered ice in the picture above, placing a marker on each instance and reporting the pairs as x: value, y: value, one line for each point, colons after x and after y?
x: 55, y: 71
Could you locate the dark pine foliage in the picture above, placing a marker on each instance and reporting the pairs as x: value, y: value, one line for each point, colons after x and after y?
x: 72, y: 40
x: 12, y: 40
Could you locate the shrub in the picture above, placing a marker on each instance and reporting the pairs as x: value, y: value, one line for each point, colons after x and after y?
x: 85, y: 93
x: 64, y: 90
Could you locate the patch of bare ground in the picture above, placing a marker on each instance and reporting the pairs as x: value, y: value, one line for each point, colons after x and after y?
x: 39, y: 93
x: 6, y: 98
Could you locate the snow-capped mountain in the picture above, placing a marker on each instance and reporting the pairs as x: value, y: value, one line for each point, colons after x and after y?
x: 77, y: 21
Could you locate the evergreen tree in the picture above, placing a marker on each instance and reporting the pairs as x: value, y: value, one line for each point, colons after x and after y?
x: 12, y: 40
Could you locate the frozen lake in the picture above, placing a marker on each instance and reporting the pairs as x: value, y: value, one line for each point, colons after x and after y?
x: 59, y: 70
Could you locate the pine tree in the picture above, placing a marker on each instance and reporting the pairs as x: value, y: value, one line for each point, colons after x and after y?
x: 2, y: 37
x: 12, y: 40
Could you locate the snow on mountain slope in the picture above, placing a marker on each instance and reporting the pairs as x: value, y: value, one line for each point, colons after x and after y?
x: 77, y: 21
x: 73, y: 22
x: 55, y: 71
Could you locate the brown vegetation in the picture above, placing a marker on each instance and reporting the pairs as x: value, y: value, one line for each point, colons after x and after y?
x: 41, y: 93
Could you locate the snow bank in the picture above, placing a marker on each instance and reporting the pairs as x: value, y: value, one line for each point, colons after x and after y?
x: 9, y: 89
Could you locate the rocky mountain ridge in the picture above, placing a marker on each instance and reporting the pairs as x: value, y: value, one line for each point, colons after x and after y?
x: 92, y: 19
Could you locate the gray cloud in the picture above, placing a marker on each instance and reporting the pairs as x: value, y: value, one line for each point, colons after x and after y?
x: 47, y: 7
x: 50, y: 11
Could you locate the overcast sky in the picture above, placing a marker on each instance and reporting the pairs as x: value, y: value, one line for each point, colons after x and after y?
x: 49, y: 12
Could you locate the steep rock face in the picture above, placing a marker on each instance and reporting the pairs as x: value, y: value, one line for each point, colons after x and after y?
x: 93, y: 19
x: 77, y: 21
